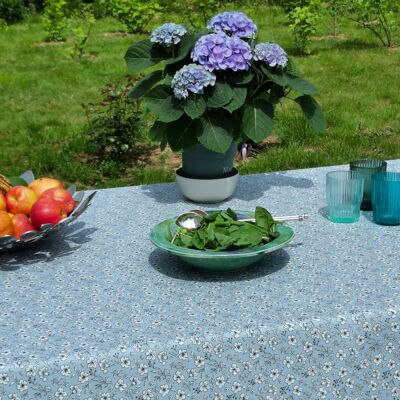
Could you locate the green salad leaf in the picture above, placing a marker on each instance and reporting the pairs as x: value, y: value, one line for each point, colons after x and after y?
x: 221, y: 230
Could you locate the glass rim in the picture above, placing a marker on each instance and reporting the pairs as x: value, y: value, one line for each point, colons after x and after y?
x: 344, y: 175
x: 390, y: 176
x: 374, y: 163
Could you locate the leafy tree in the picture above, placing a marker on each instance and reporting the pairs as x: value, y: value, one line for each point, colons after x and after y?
x: 135, y: 14
x: 55, y: 20
x: 378, y: 16
x: 303, y: 20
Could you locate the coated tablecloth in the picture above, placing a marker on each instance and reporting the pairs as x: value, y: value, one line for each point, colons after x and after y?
x: 98, y: 313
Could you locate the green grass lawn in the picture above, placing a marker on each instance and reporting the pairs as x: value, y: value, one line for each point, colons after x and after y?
x: 42, y: 89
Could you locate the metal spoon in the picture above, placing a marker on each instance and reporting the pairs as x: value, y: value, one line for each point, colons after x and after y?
x: 192, y: 220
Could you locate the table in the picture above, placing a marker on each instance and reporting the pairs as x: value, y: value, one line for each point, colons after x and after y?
x: 100, y: 314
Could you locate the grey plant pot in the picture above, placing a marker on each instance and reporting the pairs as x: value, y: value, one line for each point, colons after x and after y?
x: 206, y: 176
x: 199, y: 162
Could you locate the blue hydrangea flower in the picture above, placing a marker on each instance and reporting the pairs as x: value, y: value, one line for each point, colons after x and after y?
x: 191, y: 78
x: 218, y: 51
x: 233, y: 22
x: 271, y: 53
x: 168, y: 34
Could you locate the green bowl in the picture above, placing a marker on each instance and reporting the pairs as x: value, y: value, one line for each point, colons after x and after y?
x: 218, y: 261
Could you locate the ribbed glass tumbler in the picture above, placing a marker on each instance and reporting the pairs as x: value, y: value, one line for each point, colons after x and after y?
x: 344, y: 191
x: 385, y: 194
x: 366, y: 168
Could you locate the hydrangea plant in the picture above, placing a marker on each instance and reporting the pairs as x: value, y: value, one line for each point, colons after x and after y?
x: 217, y: 87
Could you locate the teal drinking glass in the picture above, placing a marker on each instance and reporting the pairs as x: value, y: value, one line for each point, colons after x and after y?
x: 385, y: 194
x: 344, y: 191
x: 366, y: 168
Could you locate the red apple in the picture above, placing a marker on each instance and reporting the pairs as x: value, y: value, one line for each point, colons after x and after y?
x: 3, y: 203
x: 6, y: 225
x: 61, y: 195
x: 21, y: 225
x: 48, y: 211
x: 40, y: 185
x: 20, y: 200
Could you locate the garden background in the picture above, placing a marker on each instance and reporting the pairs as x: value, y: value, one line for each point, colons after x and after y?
x: 64, y: 86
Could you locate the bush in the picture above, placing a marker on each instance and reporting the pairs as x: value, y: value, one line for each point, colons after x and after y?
x: 303, y: 22
x: 114, y: 124
x: 55, y: 20
x: 135, y: 14
x: 84, y: 22
x: 13, y: 11
x: 378, y: 16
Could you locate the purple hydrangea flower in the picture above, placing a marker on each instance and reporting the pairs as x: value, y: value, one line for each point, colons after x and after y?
x: 234, y: 22
x: 271, y: 53
x: 168, y: 34
x: 191, y: 78
x: 218, y: 51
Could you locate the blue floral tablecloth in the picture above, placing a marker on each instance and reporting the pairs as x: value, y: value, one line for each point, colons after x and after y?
x: 100, y: 314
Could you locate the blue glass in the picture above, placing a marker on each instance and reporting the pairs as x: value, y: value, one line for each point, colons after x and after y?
x: 385, y: 195
x: 366, y: 168
x: 344, y: 193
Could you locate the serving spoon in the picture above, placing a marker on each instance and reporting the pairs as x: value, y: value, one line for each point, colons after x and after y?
x: 192, y: 220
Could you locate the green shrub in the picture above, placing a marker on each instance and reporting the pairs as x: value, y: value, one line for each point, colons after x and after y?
x: 303, y: 22
x: 83, y: 22
x: 113, y: 124
x: 378, y: 16
x: 199, y: 12
x: 55, y: 20
x: 13, y: 11
x: 135, y: 14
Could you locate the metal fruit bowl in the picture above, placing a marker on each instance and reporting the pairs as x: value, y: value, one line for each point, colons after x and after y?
x: 10, y: 242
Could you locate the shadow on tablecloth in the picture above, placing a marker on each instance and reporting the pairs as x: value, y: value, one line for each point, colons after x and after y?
x: 57, y: 245
x: 171, y: 266
x: 250, y: 187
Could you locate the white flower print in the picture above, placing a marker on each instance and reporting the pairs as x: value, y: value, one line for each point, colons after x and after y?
x: 220, y: 381
x: 397, y: 375
x: 4, y: 379
x: 120, y: 385
x: 238, y: 347
x: 181, y: 395
x: 30, y: 371
x: 290, y: 379
x: 60, y: 393
x: 259, y: 378
x: 147, y: 394
x: 204, y: 386
x: 199, y: 362
x: 254, y: 353
x: 274, y: 374
x: 192, y: 373
x: 243, y: 397
x: 105, y: 396
x: 162, y: 358
x: 13, y: 397
x: 308, y: 347
x: 125, y: 362
x: 377, y: 359
x: 342, y: 371
x: 327, y: 366
x: 134, y: 381
x: 22, y: 385
x: 296, y: 391
x: 272, y: 343
x: 292, y: 340
x: 83, y: 377
x: 103, y: 365
x: 75, y: 390
x: 65, y: 370
x: 236, y: 387
x: 164, y: 390
x: 143, y: 368
x: 234, y: 369
x: 179, y: 377
x: 396, y: 393
x: 91, y: 363
x: 183, y: 355
x: 373, y: 385
x: 43, y: 374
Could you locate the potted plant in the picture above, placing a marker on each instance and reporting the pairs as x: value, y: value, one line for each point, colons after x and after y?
x: 214, y: 90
